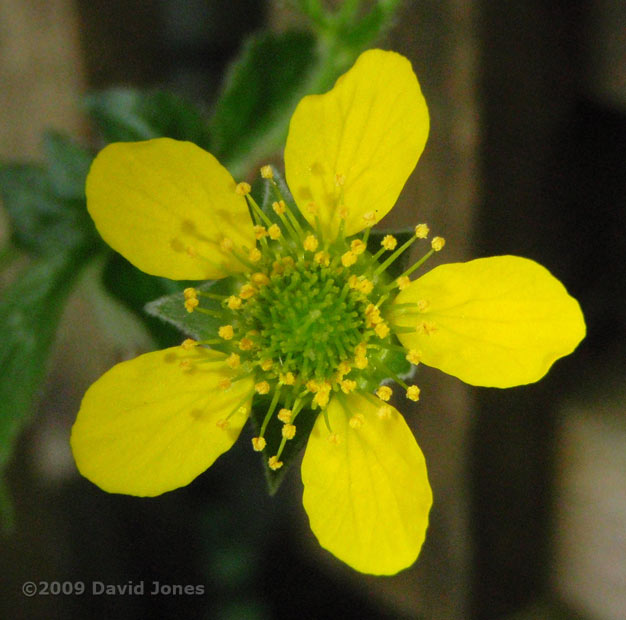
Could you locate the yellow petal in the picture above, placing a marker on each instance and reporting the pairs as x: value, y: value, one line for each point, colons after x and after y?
x: 151, y: 425
x: 166, y: 206
x: 354, y: 147
x: 366, y: 489
x: 496, y: 322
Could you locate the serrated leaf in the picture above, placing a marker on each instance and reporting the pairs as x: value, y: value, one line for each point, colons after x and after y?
x: 29, y: 313
x: 68, y: 165
x: 273, y: 436
x: 200, y: 326
x: 126, y: 115
x: 41, y: 221
x: 261, y: 90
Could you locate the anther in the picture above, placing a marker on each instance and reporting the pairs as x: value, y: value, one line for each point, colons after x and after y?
x: 254, y: 255
x: 233, y: 361
x: 191, y: 304
x: 226, y: 332
x: 274, y: 232
x: 223, y: 424
x: 310, y: 243
x: 357, y: 247
x: 258, y: 444
x: 348, y: 259
x: 243, y: 188
x: 426, y: 327
x: 287, y: 378
x: 225, y: 383
x: 369, y: 218
x: 262, y: 387
x: 267, y: 364
x: 234, y: 302
x: 382, y: 330
x: 403, y: 282
x: 245, y: 344
x: 279, y: 207
x: 356, y: 421
x: 288, y: 431
x: 334, y: 438
x: 285, y: 415
x: 322, y: 258
x: 384, y: 412
x: 384, y: 392
x: 260, y: 279
x: 413, y: 393
x: 274, y: 463
x: 413, y: 356
x: 421, y: 231
x: 267, y: 172
x: 259, y: 231
x: 348, y: 385
x: 422, y: 305
x: 389, y: 242
x: 226, y: 244
x: 437, y: 243
x: 190, y: 292
x: 188, y: 343
x: 247, y: 291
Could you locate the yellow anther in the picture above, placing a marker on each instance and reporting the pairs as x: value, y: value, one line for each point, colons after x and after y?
x: 348, y: 385
x: 384, y: 412
x: 348, y: 259
x: 343, y: 213
x: 389, y: 242
x: 356, y: 421
x: 382, y: 329
x: 357, y: 246
x: 413, y: 393
x: 245, y: 344
x: 247, y: 291
x: 258, y: 444
x: 372, y: 315
x: 403, y: 282
x: 262, y: 387
x: 340, y: 179
x: 189, y: 343
x: 222, y: 423
x: 288, y: 262
x: 360, y: 350
x: 285, y: 415
x: 384, y: 392
x: 369, y: 218
x: 312, y: 385
x: 267, y: 172
x: 287, y: 378
x: 321, y: 399
x: 310, y: 243
x: 414, y: 357
x: 233, y: 361
x: 234, y: 302
x: 254, y: 256
x: 226, y: 244
x: 191, y: 303
x: 259, y: 231
x: 344, y: 368
x: 266, y: 364
x: 437, y: 243
x: 421, y: 231
x: 279, y: 207
x: 311, y: 207
x: 288, y: 431
x: 334, y: 438
x: 426, y: 328
x: 322, y: 258
x: 260, y: 279
x: 243, y: 188
x: 422, y: 305
x: 190, y: 292
x: 365, y: 286
x: 353, y: 281
x: 225, y: 383
x: 274, y: 232
x: 274, y: 463
x: 361, y: 362
x: 226, y: 332
x: 185, y: 364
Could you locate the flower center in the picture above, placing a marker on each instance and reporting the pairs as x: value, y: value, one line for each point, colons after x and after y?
x: 308, y: 318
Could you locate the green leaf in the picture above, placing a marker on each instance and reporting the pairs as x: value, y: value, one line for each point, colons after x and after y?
x: 273, y: 436
x: 260, y: 93
x: 68, y: 165
x: 126, y: 115
x: 42, y: 221
x: 29, y: 314
x: 200, y: 326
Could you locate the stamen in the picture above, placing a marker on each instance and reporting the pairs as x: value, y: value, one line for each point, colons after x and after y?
x: 357, y: 247
x: 384, y: 392
x: 262, y: 387
x: 421, y: 231
x: 191, y: 304
x: 274, y: 232
x: 226, y: 332
x: 288, y: 431
x: 234, y: 302
x: 437, y: 243
x: 414, y: 357
x: 389, y: 242
x: 310, y: 243
x: 274, y: 463
x: 348, y: 259
x: 356, y: 421
x: 233, y: 361
x: 413, y: 393
x: 285, y: 415
x: 189, y: 343
x: 258, y: 444
x: 267, y: 172
x: 254, y: 255
x: 243, y: 188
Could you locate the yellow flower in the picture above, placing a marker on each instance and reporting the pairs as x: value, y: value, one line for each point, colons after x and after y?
x: 154, y: 423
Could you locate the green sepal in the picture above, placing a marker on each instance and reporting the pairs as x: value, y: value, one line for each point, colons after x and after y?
x: 41, y: 220
x: 30, y: 308
x: 402, y: 262
x: 200, y: 326
x: 127, y: 115
x: 304, y: 425
x: 260, y: 92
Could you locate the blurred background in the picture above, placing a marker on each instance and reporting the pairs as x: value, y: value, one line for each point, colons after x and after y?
x: 526, y: 156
